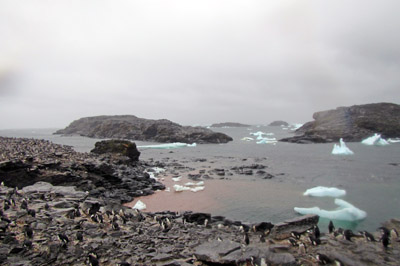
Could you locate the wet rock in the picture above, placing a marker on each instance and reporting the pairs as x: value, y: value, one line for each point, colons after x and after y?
x: 215, y: 251
x: 299, y: 224
x: 123, y: 147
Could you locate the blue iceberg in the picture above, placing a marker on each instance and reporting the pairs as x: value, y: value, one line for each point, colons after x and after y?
x: 341, y: 149
x: 375, y: 140
x: 345, y: 212
x: 325, y: 192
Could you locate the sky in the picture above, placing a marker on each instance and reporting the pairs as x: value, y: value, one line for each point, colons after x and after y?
x: 194, y: 62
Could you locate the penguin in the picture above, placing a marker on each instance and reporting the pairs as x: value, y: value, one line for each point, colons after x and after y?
x: 348, y: 234
x: 31, y: 212
x: 46, y: 206
x: 302, y: 249
x: 246, y: 238
x: 293, y: 241
x: 317, y: 233
x: 24, y: 204
x: 368, y: 236
x: 314, y: 241
x: 79, y: 236
x: 63, y: 238
x: 28, y: 231
x: 115, y: 226
x: 384, y: 230
x: 331, y: 227
x: 27, y: 243
x: 93, y: 259
x: 262, y: 238
x: 323, y: 259
x: 295, y: 234
x: 385, y: 240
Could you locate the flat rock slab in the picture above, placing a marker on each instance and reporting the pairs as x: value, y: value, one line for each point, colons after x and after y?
x: 298, y: 224
x: 215, y: 251
x: 44, y: 187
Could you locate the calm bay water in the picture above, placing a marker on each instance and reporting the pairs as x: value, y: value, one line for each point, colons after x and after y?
x: 371, y: 182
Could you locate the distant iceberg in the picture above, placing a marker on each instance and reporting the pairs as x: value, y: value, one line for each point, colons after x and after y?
x: 267, y: 141
x: 375, y: 140
x: 345, y: 212
x: 174, y: 145
x: 139, y: 205
x: 341, y: 149
x: 325, y: 192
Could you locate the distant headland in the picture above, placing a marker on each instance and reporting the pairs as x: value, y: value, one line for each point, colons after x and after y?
x: 352, y: 123
x: 229, y: 124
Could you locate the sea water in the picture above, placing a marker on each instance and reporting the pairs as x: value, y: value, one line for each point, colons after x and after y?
x: 371, y: 177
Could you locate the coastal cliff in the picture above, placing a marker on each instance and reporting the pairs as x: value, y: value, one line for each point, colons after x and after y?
x: 134, y: 128
x: 352, y: 123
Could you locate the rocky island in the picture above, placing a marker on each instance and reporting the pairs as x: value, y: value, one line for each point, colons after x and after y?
x: 278, y: 123
x: 229, y: 124
x: 133, y: 128
x: 352, y: 123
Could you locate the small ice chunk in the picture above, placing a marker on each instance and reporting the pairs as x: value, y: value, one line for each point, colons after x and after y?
x: 341, y: 149
x: 179, y: 188
x: 345, y: 212
x: 191, y: 184
x: 247, y: 139
x: 375, y: 140
x: 168, y: 189
x: 177, y: 179
x: 174, y: 145
x: 321, y: 191
x: 139, y: 205
x: 267, y: 141
x: 195, y: 189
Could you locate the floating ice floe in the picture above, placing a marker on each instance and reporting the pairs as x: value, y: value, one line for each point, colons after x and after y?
x: 267, y: 141
x: 341, y: 149
x: 345, y: 212
x: 139, y: 205
x: 174, y: 145
x: 177, y: 179
x: 321, y: 191
x: 191, y: 184
x: 247, y: 139
x: 396, y: 140
x: 195, y: 189
x: 179, y: 188
x: 376, y: 140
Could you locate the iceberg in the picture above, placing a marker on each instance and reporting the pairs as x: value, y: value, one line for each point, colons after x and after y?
x: 375, y: 140
x: 345, y: 212
x: 177, y: 179
x: 179, y: 188
x: 197, y: 189
x: 341, y: 149
x: 325, y: 192
x: 267, y: 141
x: 396, y: 140
x: 139, y: 205
x: 174, y: 145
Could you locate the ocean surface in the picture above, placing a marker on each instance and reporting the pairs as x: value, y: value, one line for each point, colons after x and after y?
x: 371, y: 177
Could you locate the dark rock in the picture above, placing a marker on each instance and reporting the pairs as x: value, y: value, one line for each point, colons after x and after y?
x: 353, y: 123
x: 299, y: 224
x: 134, y: 128
x: 278, y: 123
x: 123, y: 147
x: 229, y: 124
x: 215, y: 251
x: 197, y: 217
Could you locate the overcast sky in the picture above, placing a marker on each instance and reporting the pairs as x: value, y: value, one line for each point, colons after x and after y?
x: 194, y: 62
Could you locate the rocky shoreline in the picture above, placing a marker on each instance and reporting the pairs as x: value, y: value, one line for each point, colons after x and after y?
x: 57, y: 224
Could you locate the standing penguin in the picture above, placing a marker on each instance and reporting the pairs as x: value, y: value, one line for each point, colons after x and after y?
x: 246, y: 238
x: 331, y: 227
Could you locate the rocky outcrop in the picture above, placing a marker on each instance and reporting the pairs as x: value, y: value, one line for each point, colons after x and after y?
x: 352, y: 123
x: 27, y: 161
x: 122, y: 147
x: 134, y: 128
x: 278, y: 123
x: 229, y: 124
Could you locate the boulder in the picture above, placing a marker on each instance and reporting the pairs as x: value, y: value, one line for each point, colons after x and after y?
x: 352, y: 123
x: 278, y: 123
x: 123, y: 147
x: 299, y: 224
x: 134, y: 128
